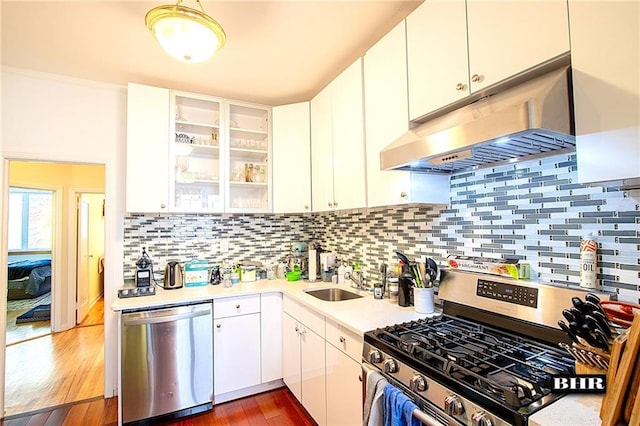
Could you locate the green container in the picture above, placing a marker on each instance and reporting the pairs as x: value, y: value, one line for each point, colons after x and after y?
x: 293, y: 275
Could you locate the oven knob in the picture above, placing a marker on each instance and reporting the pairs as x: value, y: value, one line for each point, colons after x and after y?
x: 390, y: 366
x: 374, y: 356
x: 418, y: 383
x: 453, y: 406
x: 480, y: 418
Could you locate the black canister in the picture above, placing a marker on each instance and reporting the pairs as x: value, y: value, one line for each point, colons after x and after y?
x: 405, y: 295
x: 215, y: 276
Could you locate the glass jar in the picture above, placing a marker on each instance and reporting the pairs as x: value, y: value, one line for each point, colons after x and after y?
x: 248, y: 172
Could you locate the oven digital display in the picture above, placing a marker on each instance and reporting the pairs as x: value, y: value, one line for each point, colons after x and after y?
x: 510, y: 293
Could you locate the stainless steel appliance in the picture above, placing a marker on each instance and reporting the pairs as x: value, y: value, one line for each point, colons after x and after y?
x: 173, y: 276
x: 487, y: 360
x: 530, y: 115
x: 166, y: 362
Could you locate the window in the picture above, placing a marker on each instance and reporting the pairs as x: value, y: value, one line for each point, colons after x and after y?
x: 30, y: 217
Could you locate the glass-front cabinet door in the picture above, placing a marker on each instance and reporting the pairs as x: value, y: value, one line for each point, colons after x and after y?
x: 249, y: 164
x: 196, y: 151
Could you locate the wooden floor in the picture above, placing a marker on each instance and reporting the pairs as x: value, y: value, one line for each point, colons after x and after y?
x: 16, y: 333
x: 96, y: 314
x: 278, y: 407
x: 57, y: 368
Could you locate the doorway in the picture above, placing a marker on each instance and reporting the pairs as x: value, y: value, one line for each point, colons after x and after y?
x: 89, y: 252
x: 29, y: 243
x: 74, y: 348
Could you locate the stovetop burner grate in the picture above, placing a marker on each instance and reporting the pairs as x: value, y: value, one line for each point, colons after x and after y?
x: 505, y: 367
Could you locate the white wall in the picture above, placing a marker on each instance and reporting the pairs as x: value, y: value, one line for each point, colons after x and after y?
x: 52, y: 118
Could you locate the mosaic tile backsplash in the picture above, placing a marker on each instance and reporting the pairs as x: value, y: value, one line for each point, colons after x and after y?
x: 535, y: 211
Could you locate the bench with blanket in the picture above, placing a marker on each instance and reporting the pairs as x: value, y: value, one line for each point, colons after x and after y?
x: 29, y: 278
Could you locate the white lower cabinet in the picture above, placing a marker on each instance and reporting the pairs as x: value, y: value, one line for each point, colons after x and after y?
x: 313, y: 375
x: 291, y: 359
x: 321, y: 366
x: 344, y: 373
x: 236, y: 343
x: 271, y: 332
x: 344, y: 388
x: 303, y: 360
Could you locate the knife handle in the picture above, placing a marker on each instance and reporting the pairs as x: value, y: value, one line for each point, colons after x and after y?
x: 568, y: 331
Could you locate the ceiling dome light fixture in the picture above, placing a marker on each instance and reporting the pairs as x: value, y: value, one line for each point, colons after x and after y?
x: 187, y: 34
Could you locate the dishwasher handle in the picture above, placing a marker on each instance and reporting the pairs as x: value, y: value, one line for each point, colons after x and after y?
x: 169, y: 317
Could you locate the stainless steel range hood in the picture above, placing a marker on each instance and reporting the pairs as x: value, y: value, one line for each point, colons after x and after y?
x: 530, y: 119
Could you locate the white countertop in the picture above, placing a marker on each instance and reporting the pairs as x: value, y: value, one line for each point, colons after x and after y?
x: 570, y: 410
x: 358, y: 315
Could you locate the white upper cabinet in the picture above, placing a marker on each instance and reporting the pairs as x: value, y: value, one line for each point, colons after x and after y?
x: 386, y: 118
x: 438, y: 65
x: 337, y: 143
x: 195, y: 153
x: 321, y: 151
x: 507, y: 37
x: 348, y: 139
x: 292, y: 158
x: 195, y: 167
x: 456, y: 48
x: 605, y: 42
x: 248, y: 157
x: 147, y: 181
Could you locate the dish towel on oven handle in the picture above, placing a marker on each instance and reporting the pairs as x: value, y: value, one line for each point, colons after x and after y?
x: 398, y: 409
x: 373, y: 410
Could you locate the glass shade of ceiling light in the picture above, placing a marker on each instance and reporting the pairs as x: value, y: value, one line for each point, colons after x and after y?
x: 187, y: 34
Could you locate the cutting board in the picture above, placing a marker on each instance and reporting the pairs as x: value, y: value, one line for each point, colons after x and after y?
x: 616, y: 394
x: 617, y: 348
x: 632, y: 394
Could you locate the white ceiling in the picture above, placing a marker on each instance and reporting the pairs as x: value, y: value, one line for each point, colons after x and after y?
x: 277, y: 52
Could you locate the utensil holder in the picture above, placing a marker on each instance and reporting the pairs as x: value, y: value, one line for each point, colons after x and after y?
x: 423, y: 300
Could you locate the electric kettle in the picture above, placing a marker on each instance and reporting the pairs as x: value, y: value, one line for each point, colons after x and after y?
x: 173, y: 275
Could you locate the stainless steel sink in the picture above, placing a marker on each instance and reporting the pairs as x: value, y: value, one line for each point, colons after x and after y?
x: 332, y: 294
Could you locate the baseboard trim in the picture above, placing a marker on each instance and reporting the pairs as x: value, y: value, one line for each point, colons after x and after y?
x: 230, y: 396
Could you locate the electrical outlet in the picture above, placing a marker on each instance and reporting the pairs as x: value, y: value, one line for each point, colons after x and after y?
x: 224, y: 245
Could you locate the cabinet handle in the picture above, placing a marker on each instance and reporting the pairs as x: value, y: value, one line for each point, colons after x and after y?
x: 403, y: 194
x: 335, y: 204
x: 459, y: 86
x: 218, y: 325
x: 238, y: 306
x: 360, y: 378
x: 306, y: 207
x: 475, y: 78
x: 342, y: 339
x: 297, y: 329
x: 330, y: 205
x: 162, y: 206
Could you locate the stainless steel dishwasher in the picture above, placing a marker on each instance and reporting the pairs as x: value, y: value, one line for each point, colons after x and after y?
x: 166, y: 362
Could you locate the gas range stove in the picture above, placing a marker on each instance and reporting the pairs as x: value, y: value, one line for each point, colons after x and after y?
x: 489, y: 359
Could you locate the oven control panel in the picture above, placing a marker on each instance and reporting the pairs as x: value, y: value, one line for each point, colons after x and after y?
x: 510, y: 293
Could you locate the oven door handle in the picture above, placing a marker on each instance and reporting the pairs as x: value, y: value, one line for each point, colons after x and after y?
x: 426, y: 419
x: 423, y: 417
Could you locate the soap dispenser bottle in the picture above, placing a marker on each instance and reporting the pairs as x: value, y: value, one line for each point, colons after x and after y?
x: 341, y: 271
